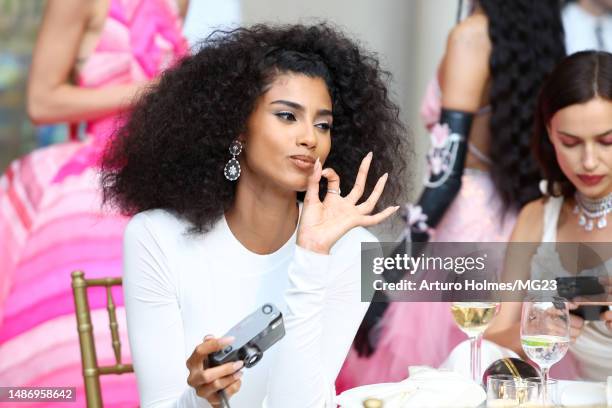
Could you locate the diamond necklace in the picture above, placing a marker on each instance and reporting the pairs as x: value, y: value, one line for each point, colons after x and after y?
x: 589, y: 210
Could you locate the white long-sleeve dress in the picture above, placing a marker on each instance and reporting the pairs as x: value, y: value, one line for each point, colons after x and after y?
x: 179, y: 288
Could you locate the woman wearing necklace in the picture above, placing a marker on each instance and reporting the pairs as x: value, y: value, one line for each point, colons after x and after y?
x: 573, y: 144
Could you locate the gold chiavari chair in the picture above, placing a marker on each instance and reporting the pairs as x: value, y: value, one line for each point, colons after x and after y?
x: 91, y: 370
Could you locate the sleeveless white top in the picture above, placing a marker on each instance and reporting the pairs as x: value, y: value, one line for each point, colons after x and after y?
x: 593, y: 348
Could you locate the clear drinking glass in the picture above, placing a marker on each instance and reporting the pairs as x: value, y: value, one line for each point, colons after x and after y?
x: 507, y: 391
x: 473, y: 318
x: 552, y: 390
x: 545, y: 334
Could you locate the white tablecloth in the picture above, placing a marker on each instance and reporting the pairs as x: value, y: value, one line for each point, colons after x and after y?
x: 428, y: 387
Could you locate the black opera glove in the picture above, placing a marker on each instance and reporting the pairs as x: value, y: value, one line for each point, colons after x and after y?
x: 445, y: 162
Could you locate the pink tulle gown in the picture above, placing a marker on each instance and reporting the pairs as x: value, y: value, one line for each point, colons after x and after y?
x: 424, y: 333
x: 52, y: 223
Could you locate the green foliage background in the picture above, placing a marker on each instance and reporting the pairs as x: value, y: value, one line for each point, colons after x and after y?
x: 19, y: 22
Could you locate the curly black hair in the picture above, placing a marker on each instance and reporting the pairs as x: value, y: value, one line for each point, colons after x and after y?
x: 528, y: 41
x: 171, y: 152
x: 576, y: 80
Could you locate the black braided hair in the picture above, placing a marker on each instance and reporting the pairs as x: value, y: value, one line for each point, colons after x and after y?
x: 528, y: 41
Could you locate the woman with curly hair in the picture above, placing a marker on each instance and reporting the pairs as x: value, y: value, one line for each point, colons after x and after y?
x: 233, y: 167
x: 480, y: 114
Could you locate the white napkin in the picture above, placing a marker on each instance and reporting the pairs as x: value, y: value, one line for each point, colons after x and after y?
x: 459, y: 359
x: 581, y: 394
x: 426, y: 387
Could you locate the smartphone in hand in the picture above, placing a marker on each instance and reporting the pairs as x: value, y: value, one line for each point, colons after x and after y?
x: 573, y: 286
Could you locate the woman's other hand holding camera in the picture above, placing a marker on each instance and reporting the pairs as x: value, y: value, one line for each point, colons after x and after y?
x: 208, y: 381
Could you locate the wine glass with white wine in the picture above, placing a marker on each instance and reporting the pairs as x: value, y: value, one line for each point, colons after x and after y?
x: 545, y: 334
x: 473, y: 318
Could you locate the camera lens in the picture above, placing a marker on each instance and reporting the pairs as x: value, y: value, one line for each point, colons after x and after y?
x: 267, y: 309
x: 253, y: 360
x: 250, y: 354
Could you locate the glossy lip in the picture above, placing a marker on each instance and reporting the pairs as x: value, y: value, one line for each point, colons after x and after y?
x: 303, y: 162
x: 590, y: 180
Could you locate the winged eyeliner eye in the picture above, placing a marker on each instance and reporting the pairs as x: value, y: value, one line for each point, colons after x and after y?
x: 286, y: 116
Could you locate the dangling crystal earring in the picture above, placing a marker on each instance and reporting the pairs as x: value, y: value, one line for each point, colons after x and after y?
x: 232, y: 168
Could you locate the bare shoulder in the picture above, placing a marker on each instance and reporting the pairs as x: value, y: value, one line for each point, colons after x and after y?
x: 530, y: 222
x: 464, y: 72
x: 470, y: 34
x: 469, y: 44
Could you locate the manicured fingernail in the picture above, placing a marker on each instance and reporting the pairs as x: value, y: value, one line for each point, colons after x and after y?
x: 208, y: 336
x: 370, y: 154
x: 395, y: 208
x: 238, y: 375
x: 385, y: 175
x: 226, y: 340
x: 238, y: 365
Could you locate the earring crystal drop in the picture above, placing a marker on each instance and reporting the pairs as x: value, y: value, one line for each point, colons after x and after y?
x: 232, y: 168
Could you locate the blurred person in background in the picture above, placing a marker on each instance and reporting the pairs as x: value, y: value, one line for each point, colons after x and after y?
x: 91, y: 59
x: 588, y: 25
x: 479, y: 110
x: 572, y: 140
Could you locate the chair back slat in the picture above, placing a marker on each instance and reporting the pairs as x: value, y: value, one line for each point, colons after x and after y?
x: 114, y: 326
x: 91, y: 369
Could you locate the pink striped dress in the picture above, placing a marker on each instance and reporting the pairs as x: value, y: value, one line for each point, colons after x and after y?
x: 51, y: 221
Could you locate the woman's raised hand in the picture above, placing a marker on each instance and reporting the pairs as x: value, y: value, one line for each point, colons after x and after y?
x: 208, y: 381
x: 323, y: 222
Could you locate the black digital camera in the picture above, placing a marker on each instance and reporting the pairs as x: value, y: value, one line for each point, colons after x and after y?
x: 253, y: 335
